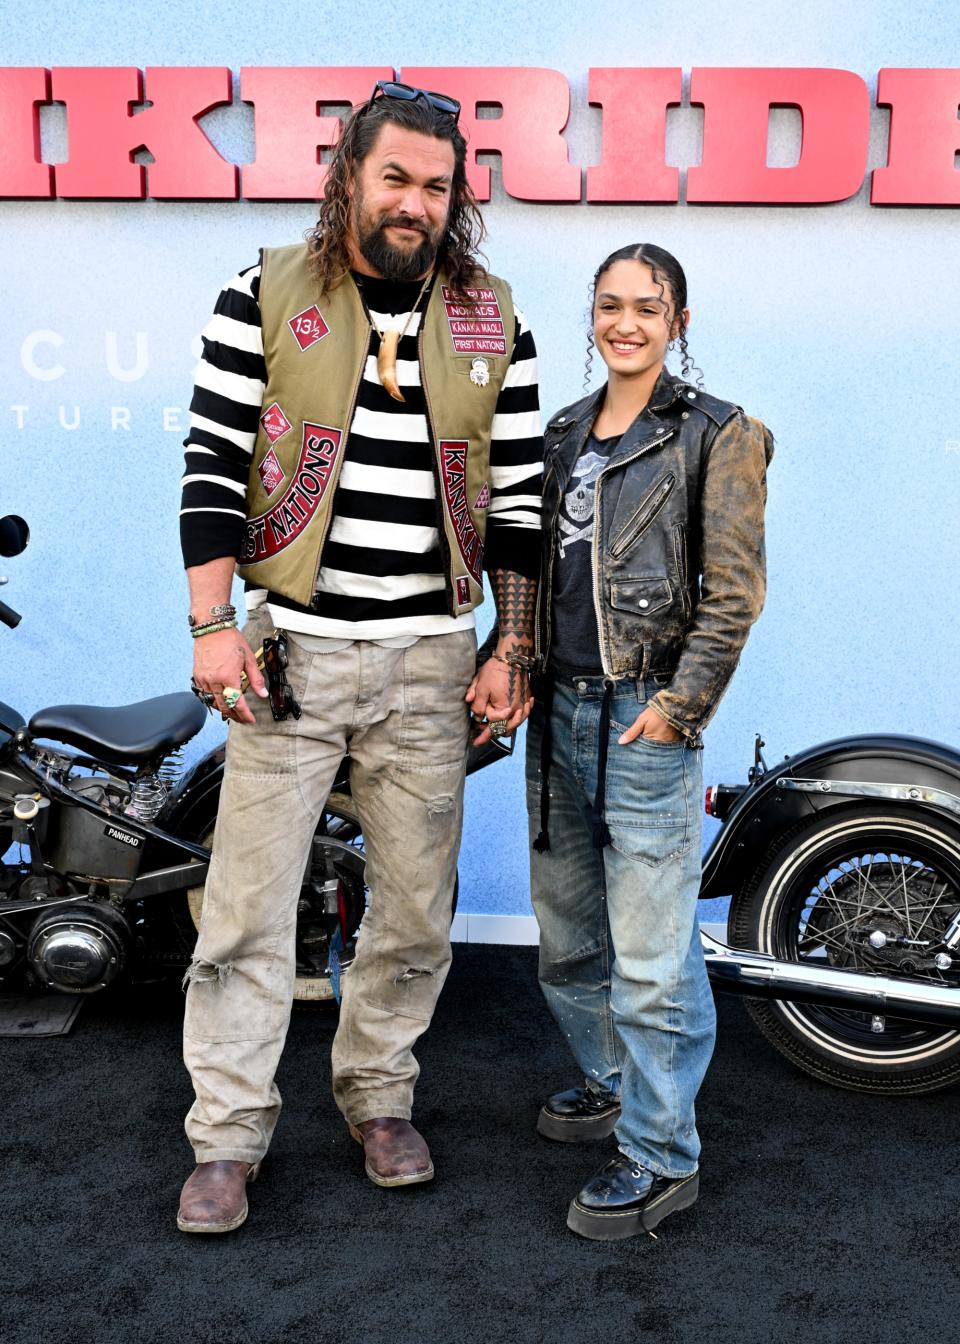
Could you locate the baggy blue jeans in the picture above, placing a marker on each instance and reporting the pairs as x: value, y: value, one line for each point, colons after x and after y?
x: 621, y: 964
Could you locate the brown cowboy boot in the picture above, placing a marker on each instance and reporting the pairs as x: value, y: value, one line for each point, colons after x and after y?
x: 395, y: 1153
x: 214, y: 1198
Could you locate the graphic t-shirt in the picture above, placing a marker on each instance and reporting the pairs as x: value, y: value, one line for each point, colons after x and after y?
x: 575, y: 639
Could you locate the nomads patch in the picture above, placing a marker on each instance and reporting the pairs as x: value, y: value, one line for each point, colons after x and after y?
x: 476, y: 328
x: 275, y: 423
x: 308, y: 327
x: 279, y: 526
x: 453, y: 472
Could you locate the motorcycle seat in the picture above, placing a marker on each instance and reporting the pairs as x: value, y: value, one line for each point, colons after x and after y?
x: 126, y: 734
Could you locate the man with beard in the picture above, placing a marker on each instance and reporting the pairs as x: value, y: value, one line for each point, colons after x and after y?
x: 364, y: 441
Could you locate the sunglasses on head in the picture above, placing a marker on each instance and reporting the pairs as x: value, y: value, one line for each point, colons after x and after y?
x: 406, y: 93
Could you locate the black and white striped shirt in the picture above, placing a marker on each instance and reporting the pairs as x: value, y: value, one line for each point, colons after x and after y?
x: 381, y: 573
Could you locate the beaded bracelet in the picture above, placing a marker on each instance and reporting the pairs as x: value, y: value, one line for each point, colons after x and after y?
x: 211, y: 628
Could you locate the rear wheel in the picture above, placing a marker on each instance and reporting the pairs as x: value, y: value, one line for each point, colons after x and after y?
x: 868, y: 889
x: 332, y: 897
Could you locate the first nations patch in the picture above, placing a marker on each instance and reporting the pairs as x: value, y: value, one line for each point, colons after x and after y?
x: 272, y: 531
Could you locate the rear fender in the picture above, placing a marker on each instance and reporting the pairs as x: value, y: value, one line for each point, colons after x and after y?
x: 766, y: 809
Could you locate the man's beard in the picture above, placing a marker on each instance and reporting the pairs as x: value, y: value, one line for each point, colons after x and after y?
x: 394, y: 263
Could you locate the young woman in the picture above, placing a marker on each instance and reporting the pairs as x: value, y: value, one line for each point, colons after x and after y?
x: 653, y: 574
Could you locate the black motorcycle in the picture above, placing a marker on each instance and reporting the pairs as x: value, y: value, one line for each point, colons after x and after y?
x: 842, y: 865
x: 111, y: 841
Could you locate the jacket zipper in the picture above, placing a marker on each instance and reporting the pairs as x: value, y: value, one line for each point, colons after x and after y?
x: 645, y: 515
x: 680, y: 551
x: 438, y: 482
x: 598, y: 528
x: 332, y: 487
x: 542, y: 606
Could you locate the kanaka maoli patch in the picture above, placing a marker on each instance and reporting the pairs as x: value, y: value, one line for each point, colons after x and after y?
x: 476, y: 328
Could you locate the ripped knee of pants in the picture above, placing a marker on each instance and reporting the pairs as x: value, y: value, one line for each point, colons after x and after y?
x: 441, y: 805
x: 412, y: 973
x: 205, y: 971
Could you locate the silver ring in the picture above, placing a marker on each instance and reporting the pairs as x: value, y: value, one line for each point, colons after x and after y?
x: 499, y: 727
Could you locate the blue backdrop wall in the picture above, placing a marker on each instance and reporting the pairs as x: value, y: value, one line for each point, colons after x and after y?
x: 836, y: 325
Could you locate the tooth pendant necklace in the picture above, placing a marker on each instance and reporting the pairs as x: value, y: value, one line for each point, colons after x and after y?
x: 389, y: 343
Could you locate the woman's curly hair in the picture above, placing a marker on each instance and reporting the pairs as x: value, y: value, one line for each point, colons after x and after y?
x: 458, y: 254
x: 666, y: 270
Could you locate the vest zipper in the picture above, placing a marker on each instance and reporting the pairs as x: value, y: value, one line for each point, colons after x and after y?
x: 435, y: 463
x: 332, y: 487
x: 597, y: 530
x: 644, y: 516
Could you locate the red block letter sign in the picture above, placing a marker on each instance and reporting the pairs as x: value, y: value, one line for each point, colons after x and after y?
x: 924, y: 138
x: 634, y: 106
x: 103, y: 134
x: 528, y: 135
x: 21, y: 172
x: 290, y: 129
x: 835, y: 107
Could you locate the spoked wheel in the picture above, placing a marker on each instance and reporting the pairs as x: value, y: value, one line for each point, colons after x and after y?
x: 333, y: 896
x: 867, y: 890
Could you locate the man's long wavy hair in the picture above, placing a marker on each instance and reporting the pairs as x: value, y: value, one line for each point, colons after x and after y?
x: 458, y: 254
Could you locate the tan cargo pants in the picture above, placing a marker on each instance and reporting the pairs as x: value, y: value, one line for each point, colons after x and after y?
x: 401, y: 715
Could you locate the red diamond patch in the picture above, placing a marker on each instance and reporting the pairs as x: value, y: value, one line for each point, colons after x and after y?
x: 308, y: 327
x: 275, y: 423
x: 270, y: 472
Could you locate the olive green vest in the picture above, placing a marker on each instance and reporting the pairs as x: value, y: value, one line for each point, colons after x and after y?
x: 316, y: 350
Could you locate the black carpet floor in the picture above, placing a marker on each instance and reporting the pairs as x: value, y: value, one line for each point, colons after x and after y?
x: 823, y: 1216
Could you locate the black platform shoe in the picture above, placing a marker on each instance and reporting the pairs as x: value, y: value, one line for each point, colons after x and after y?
x: 624, y: 1199
x: 578, y: 1115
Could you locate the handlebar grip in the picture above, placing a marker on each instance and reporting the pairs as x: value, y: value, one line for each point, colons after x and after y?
x: 9, y: 616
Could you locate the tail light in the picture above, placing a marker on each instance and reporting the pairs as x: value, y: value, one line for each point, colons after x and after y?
x: 719, y: 799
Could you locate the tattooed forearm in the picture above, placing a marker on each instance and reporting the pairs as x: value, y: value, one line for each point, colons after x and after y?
x: 516, y: 598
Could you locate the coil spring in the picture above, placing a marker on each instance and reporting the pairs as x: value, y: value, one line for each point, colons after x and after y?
x: 148, y: 793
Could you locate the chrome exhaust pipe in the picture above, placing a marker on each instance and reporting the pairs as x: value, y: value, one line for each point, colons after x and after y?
x: 738, y: 971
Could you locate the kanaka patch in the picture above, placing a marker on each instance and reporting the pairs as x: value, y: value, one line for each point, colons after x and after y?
x: 476, y: 328
x: 453, y: 474
x: 275, y: 423
x: 278, y: 527
x: 482, y: 500
x: 308, y: 327
x: 270, y: 472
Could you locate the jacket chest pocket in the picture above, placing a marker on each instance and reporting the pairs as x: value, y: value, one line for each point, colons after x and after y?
x: 641, y: 597
x: 644, y: 516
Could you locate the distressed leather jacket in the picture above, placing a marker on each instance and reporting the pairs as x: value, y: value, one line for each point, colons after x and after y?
x: 678, y: 549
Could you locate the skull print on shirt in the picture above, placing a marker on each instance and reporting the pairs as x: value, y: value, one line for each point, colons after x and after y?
x: 576, y: 512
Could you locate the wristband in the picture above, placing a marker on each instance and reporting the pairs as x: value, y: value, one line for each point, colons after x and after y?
x: 225, y: 611
x: 211, y: 628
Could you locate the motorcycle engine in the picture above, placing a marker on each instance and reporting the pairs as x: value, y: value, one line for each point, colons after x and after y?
x: 78, y: 949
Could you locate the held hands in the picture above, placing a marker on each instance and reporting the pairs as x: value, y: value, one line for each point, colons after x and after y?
x: 219, y: 661
x: 650, y: 724
x: 498, y: 692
